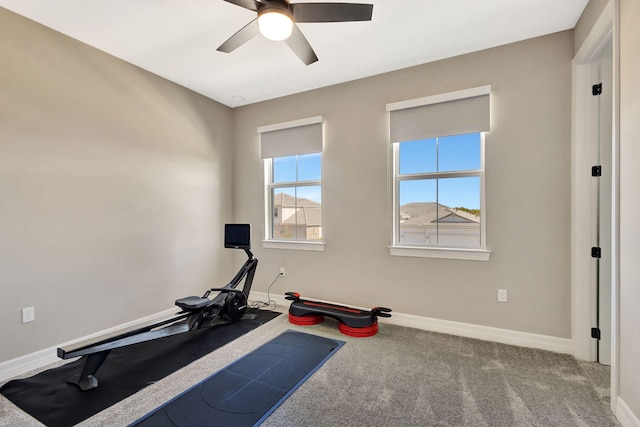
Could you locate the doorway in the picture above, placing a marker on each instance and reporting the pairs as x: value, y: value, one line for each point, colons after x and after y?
x: 592, y: 221
x: 587, y: 300
x: 601, y: 196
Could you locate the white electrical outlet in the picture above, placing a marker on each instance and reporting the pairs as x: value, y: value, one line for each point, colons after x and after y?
x: 28, y: 314
x: 282, y: 271
x: 502, y: 295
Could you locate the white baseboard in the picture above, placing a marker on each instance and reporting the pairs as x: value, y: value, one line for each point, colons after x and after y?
x: 20, y: 365
x: 23, y: 364
x: 486, y: 333
x: 624, y: 414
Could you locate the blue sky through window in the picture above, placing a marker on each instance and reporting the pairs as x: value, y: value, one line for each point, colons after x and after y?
x: 303, y: 167
x: 445, y: 154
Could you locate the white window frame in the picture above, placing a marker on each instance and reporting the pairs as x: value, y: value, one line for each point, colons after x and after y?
x: 269, y: 242
x: 481, y: 253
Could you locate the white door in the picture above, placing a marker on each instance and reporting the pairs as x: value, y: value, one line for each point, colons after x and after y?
x: 602, y: 195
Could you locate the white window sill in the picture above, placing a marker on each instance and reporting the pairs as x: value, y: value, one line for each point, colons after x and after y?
x: 293, y: 245
x: 441, y: 253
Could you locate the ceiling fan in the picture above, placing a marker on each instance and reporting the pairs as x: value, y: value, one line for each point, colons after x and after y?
x: 277, y: 20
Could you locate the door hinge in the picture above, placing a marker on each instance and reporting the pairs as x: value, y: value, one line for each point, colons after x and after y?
x: 596, y: 89
x: 596, y: 252
x: 595, y: 333
x: 596, y: 170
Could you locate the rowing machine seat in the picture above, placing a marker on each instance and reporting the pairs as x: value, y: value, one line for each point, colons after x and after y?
x: 193, y: 303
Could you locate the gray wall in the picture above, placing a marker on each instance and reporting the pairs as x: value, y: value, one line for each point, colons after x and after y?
x: 114, y: 185
x: 629, y: 370
x: 528, y: 192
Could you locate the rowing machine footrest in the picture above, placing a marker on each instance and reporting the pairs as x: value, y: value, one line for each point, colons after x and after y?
x: 192, y: 303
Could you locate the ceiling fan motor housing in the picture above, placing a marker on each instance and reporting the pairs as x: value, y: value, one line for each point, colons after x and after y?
x: 279, y: 6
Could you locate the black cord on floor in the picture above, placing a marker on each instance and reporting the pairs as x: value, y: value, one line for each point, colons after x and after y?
x: 267, y: 304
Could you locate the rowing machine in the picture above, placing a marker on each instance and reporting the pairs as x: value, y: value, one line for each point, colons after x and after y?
x: 196, y: 312
x: 352, y: 321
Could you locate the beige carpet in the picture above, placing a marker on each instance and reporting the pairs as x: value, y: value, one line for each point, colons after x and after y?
x: 401, y: 377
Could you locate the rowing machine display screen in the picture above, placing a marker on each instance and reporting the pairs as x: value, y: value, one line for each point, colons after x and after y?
x: 237, y: 236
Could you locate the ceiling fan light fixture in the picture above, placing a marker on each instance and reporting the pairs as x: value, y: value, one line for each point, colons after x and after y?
x: 275, y: 24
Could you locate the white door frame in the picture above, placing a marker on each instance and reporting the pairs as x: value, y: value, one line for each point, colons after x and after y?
x: 582, y: 158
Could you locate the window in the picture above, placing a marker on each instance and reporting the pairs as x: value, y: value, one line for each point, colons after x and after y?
x: 292, y: 153
x: 438, y: 175
x: 439, y: 191
x: 296, y: 197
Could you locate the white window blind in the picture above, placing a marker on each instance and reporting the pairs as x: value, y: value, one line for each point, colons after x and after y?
x: 291, y: 138
x: 454, y: 113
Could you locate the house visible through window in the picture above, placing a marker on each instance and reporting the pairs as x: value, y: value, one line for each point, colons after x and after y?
x: 438, y: 175
x: 292, y: 153
x: 296, y: 197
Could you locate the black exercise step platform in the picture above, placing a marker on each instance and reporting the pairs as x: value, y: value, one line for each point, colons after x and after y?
x: 353, y: 322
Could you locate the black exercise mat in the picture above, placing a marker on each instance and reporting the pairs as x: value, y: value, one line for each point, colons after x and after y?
x: 48, y: 398
x: 250, y: 389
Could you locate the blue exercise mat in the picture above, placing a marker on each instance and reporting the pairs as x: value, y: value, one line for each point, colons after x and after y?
x: 250, y: 389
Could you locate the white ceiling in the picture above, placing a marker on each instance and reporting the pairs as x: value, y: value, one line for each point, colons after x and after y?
x: 177, y: 39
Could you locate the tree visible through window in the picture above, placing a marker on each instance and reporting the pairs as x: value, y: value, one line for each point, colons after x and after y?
x: 296, y: 197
